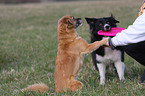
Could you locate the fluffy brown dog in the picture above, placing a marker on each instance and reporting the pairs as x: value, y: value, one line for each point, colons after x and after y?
x: 68, y: 63
x: 71, y: 48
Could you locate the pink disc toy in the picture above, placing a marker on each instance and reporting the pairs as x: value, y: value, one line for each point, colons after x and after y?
x: 112, y: 32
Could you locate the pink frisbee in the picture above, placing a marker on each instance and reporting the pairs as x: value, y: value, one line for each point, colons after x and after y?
x: 112, y: 32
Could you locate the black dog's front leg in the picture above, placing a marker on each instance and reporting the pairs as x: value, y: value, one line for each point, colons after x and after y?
x: 94, y: 59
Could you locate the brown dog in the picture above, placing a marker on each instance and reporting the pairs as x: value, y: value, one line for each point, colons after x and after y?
x: 71, y: 47
x: 68, y: 63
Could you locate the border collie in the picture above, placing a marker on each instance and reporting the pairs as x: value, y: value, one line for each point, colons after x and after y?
x: 105, y: 56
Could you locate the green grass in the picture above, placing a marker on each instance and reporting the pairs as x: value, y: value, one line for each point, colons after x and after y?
x: 28, y: 47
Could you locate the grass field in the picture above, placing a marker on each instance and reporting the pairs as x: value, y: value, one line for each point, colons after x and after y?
x: 28, y: 47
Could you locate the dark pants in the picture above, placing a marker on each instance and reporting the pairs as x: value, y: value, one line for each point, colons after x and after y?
x: 137, y: 51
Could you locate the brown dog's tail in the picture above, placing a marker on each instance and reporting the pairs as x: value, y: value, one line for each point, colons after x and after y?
x: 37, y: 87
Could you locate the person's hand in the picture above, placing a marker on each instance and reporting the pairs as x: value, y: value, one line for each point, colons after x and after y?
x: 107, y: 44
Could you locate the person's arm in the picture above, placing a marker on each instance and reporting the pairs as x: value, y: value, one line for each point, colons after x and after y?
x: 133, y: 34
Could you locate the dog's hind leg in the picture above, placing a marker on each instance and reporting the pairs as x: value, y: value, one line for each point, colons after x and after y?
x: 74, y: 85
x: 120, y: 69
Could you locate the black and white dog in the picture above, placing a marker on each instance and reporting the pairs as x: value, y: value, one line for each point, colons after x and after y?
x: 105, y: 56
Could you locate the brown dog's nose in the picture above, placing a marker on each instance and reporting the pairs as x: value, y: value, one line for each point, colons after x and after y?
x: 79, y: 19
x: 78, y: 22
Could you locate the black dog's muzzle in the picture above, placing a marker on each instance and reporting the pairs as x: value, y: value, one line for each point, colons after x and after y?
x: 107, y: 27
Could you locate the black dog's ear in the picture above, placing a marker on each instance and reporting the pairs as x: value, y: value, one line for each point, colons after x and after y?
x: 112, y: 15
x: 90, y: 20
x: 116, y: 21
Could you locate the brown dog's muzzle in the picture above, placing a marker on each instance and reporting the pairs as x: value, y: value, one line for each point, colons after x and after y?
x: 78, y: 22
x: 71, y: 21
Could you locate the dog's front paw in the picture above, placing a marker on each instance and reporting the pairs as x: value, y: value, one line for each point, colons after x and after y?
x: 122, y: 78
x: 102, y: 81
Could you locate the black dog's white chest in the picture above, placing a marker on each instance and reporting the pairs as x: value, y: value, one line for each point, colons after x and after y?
x: 110, y: 56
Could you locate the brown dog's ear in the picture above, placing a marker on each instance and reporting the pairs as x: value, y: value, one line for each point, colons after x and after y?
x: 69, y: 23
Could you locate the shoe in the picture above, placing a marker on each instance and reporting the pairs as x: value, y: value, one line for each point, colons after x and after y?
x: 143, y: 77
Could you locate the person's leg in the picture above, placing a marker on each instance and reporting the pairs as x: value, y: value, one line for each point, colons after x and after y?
x: 137, y: 51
